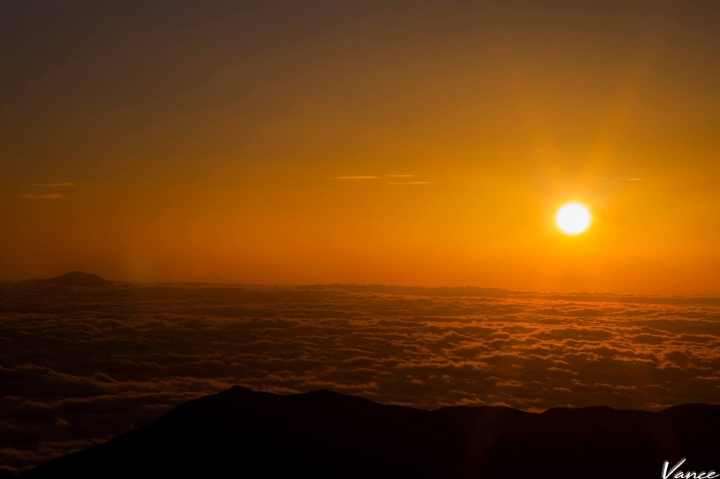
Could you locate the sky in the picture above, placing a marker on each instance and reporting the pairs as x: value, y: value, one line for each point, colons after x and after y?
x: 364, y: 142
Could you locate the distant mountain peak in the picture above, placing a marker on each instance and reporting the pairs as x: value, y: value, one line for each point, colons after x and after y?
x: 75, y: 278
x: 79, y: 276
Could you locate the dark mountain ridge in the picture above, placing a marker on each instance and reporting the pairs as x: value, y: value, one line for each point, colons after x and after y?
x: 323, y: 434
x: 77, y: 279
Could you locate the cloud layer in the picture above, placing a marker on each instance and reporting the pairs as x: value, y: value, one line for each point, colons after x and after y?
x: 77, y: 368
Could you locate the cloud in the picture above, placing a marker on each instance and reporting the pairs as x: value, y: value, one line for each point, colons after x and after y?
x: 399, y: 176
x: 617, y: 181
x: 50, y: 196
x: 412, y: 183
x: 56, y: 185
x: 356, y: 177
x: 77, y: 372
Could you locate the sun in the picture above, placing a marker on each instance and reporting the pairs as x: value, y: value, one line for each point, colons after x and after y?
x: 573, y: 218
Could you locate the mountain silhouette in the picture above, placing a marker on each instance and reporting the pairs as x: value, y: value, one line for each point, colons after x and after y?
x: 323, y: 434
x: 76, y: 278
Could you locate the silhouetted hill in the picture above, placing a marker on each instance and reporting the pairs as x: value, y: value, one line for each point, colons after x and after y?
x: 241, y: 433
x: 76, y: 278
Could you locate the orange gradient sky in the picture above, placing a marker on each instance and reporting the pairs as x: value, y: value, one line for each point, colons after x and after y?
x: 207, y: 141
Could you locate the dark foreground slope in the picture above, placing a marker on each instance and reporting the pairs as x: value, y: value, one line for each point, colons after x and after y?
x: 244, y: 434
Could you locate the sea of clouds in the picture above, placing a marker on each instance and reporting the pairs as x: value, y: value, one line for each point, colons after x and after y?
x: 79, y: 366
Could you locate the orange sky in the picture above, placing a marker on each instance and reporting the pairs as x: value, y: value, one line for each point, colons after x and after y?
x: 204, y: 141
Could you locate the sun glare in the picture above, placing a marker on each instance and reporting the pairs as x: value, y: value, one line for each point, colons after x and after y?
x: 573, y: 218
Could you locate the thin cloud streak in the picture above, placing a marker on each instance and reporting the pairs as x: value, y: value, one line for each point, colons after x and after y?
x: 399, y: 176
x: 356, y: 177
x: 56, y: 185
x: 412, y: 183
x: 51, y: 196
x: 624, y: 179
